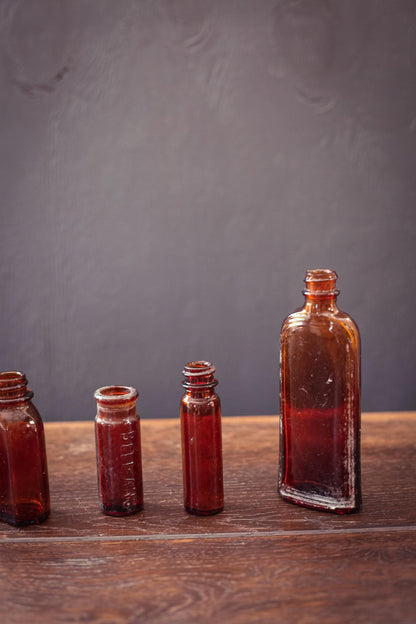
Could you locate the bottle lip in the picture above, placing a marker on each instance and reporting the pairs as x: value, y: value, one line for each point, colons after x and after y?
x: 321, y: 283
x: 196, y: 374
x: 320, y: 275
x: 198, y: 368
x: 13, y: 387
x: 115, y: 394
x: 13, y: 380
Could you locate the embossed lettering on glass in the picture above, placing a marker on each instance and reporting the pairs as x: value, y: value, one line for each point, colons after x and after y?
x: 119, y: 462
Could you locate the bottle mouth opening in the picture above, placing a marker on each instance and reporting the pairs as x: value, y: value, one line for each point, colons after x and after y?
x: 199, y: 374
x: 115, y: 394
x: 320, y: 275
x: 13, y: 387
x: 198, y: 368
x: 13, y: 380
x: 321, y: 282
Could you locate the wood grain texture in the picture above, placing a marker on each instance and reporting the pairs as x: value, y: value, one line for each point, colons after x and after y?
x: 262, y: 560
x: 250, y: 449
x: 331, y: 579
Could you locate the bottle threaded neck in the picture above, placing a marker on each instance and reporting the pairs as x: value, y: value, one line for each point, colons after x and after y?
x: 199, y: 374
x: 13, y: 387
x: 115, y: 395
x: 321, y: 283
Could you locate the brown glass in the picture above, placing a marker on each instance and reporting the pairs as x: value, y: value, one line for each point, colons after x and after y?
x: 320, y: 401
x: 24, y: 485
x: 119, y: 461
x: 200, y: 413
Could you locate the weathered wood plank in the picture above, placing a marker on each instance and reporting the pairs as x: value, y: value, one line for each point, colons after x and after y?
x: 250, y: 470
x: 248, y: 564
x: 357, y: 578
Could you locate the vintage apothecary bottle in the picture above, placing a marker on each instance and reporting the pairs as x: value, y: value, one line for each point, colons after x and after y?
x: 118, y: 443
x: 200, y: 413
x: 24, y: 485
x: 320, y: 401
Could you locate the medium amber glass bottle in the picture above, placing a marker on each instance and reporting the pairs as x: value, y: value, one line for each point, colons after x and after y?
x: 24, y: 485
x: 119, y: 460
x: 320, y: 401
x: 200, y: 413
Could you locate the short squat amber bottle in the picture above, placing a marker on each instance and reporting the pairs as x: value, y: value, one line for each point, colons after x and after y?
x: 24, y: 485
x: 119, y: 460
x: 320, y: 401
x: 200, y: 413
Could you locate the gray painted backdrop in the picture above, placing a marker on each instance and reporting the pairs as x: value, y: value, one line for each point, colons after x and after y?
x: 168, y: 171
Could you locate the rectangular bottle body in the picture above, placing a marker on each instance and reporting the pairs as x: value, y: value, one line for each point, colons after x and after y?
x: 320, y: 412
x: 119, y: 465
x: 24, y: 485
x: 202, y: 456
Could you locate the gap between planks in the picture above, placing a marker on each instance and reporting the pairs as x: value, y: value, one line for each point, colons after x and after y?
x: 202, y: 536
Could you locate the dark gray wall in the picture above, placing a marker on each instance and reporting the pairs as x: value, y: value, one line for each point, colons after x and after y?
x: 168, y: 171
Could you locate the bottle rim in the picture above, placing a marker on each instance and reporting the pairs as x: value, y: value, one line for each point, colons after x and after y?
x: 320, y: 275
x: 320, y: 283
x: 115, y: 394
x: 195, y: 372
x: 198, y: 368
x: 12, y: 379
x: 13, y: 387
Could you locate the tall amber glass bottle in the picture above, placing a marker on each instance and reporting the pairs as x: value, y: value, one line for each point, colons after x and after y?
x: 320, y: 401
x: 24, y: 485
x: 119, y: 459
x: 200, y: 413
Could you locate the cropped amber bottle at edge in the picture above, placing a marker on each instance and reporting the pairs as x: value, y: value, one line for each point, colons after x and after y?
x: 200, y: 413
x: 320, y: 401
x: 119, y: 460
x: 24, y: 485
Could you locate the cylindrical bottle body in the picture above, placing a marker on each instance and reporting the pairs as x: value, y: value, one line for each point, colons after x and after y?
x: 24, y: 484
x: 320, y: 407
x: 200, y: 413
x: 118, y: 443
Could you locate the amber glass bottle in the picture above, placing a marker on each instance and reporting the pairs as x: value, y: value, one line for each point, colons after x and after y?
x: 320, y: 401
x: 119, y: 460
x: 24, y: 486
x: 200, y: 412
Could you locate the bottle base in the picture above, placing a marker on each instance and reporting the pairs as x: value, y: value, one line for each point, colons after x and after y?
x: 24, y: 521
x: 200, y: 512
x: 318, y: 502
x: 114, y: 510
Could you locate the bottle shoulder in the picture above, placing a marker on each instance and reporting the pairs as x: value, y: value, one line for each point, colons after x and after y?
x: 188, y: 400
x: 331, y: 322
x: 200, y: 396
x: 116, y: 417
x: 20, y: 413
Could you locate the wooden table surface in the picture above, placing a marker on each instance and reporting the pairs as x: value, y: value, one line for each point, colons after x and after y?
x: 261, y: 560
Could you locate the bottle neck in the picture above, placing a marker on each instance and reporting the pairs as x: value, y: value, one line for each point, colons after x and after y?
x: 13, y: 387
x: 320, y: 290
x: 116, y: 399
x: 199, y: 379
x: 315, y: 304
